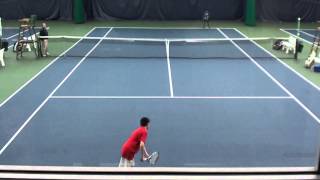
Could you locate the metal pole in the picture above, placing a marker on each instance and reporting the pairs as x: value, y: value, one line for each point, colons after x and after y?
x: 298, y: 34
x: 299, y: 26
x: 0, y: 33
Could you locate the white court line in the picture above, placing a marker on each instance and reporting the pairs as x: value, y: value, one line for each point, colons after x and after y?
x: 16, y: 34
x: 10, y: 37
x: 10, y: 28
x: 309, y: 29
x: 57, y: 176
x: 88, y: 169
x: 273, y: 79
x: 27, y: 37
x: 286, y: 65
x: 25, y: 84
x: 134, y: 173
x: 45, y: 101
x: 7, y: 38
x: 283, y: 30
x: 169, y: 68
x: 308, y: 34
x: 171, y: 97
x: 303, y: 31
x: 17, y: 28
x: 300, y: 29
x: 156, y: 28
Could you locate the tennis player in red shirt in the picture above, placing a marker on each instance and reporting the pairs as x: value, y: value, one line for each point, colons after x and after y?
x: 134, y: 143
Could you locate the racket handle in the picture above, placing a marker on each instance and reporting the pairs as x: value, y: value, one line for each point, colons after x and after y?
x: 142, y: 159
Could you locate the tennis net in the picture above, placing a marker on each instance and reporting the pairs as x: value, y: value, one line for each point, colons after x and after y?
x: 215, y: 48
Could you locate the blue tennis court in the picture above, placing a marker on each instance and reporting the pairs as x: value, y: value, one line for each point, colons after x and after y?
x: 10, y: 34
x: 223, y: 112
x: 307, y: 34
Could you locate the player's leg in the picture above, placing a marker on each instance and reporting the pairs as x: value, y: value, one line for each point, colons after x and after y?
x: 45, y: 41
x: 121, y: 163
x: 131, y: 163
x: 42, y: 47
x: 126, y: 163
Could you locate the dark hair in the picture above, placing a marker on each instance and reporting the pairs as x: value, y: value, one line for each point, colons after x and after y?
x: 144, y: 121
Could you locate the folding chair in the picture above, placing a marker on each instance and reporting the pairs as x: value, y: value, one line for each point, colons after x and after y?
x: 1, y: 58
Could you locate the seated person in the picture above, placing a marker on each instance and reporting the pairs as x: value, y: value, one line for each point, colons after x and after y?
x: 44, y: 41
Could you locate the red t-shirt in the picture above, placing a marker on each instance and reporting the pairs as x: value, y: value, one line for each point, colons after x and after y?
x: 132, y: 145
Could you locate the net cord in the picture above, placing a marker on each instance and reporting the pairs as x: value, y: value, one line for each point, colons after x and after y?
x: 161, y: 39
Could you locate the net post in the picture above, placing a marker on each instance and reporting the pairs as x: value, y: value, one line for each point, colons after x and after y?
x: 298, y: 26
x: 296, y: 52
x: 0, y: 27
x: 0, y: 33
x: 298, y: 35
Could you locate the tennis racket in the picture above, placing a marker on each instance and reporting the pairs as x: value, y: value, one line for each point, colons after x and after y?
x: 153, y: 158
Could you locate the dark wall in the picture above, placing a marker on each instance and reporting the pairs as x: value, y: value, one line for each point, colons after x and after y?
x: 267, y: 10
x: 288, y: 10
x: 45, y: 9
x: 164, y: 9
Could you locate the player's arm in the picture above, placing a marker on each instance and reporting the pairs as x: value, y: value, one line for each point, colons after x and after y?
x: 144, y: 153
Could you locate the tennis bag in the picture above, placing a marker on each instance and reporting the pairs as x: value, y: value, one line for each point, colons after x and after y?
x: 4, y: 44
x: 277, y: 45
